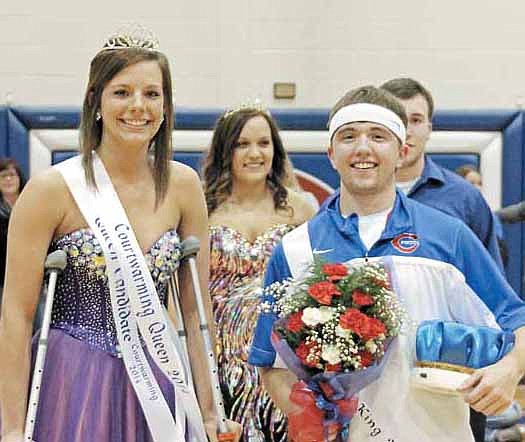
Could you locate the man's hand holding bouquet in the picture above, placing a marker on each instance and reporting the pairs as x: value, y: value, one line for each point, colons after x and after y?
x: 333, y: 331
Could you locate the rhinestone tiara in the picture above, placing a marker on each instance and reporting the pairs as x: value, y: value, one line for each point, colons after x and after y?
x: 255, y: 105
x: 132, y: 36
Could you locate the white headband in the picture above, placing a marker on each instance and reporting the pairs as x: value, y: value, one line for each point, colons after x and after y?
x: 368, y: 112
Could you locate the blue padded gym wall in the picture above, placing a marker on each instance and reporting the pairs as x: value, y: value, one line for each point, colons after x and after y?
x: 16, y: 124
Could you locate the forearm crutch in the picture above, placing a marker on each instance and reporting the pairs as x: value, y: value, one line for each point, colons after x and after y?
x: 190, y: 247
x: 179, y: 326
x: 55, y: 263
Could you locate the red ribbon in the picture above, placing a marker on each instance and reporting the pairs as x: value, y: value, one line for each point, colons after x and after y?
x: 308, y: 423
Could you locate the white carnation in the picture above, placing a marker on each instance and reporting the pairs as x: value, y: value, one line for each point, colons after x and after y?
x: 371, y: 346
x: 343, y: 332
x: 331, y: 354
x: 311, y: 316
x: 325, y: 314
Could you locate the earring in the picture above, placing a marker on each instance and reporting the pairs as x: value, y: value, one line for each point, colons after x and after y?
x: 98, y: 117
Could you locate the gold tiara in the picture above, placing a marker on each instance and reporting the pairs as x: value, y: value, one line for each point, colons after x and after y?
x: 132, y: 36
x: 248, y: 105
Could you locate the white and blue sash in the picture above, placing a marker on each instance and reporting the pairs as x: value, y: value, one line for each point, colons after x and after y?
x: 136, y: 307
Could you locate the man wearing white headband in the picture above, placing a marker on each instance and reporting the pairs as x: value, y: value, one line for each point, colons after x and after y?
x: 423, y: 180
x: 366, y: 146
x: 441, y: 271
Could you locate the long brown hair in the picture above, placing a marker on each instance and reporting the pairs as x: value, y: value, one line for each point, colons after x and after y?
x: 104, y: 67
x: 217, y: 165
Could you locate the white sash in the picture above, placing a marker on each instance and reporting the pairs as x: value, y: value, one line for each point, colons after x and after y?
x: 136, y: 306
x: 430, y: 290
x: 299, y: 256
x: 298, y: 252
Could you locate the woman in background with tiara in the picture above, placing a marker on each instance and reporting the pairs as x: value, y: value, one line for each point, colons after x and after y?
x: 91, y: 389
x: 249, y: 210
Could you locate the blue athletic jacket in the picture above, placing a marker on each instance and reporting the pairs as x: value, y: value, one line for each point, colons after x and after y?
x: 414, y: 230
x: 446, y: 191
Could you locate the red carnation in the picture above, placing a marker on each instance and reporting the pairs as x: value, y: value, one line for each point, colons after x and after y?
x: 306, y: 351
x: 361, y: 324
x: 323, y: 291
x: 361, y: 299
x: 353, y: 319
x: 375, y: 329
x: 335, y: 272
x: 302, y: 350
x: 295, y: 322
x: 367, y: 358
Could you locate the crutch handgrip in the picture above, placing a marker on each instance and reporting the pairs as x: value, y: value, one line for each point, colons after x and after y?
x: 56, y: 261
x: 190, y: 247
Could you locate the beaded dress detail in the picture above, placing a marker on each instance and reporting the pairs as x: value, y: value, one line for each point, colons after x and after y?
x: 237, y: 267
x: 86, y: 394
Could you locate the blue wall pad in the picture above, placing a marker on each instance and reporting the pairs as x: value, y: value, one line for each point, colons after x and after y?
x: 20, y: 120
x: 3, y: 131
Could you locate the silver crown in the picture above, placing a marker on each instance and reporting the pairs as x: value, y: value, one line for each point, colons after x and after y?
x: 132, y: 36
x: 249, y: 105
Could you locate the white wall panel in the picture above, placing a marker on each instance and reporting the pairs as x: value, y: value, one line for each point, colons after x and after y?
x: 469, y: 53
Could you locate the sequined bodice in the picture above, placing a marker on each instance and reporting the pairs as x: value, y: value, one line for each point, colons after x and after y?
x: 233, y: 258
x: 82, y: 305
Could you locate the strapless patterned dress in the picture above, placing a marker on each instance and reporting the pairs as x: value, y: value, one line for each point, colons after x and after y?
x: 237, y: 267
x: 86, y: 395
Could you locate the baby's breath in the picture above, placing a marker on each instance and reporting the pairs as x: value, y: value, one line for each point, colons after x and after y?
x: 323, y: 326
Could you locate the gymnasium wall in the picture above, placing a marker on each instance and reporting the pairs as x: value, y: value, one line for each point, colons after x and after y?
x: 38, y: 137
x: 469, y: 53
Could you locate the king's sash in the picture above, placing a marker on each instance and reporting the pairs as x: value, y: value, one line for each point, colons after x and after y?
x: 299, y: 257
x: 136, y: 306
x: 428, y: 289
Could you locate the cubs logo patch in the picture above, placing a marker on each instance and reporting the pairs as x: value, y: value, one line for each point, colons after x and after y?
x: 406, y: 242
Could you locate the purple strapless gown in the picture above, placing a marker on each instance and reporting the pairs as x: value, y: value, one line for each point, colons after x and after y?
x: 86, y: 395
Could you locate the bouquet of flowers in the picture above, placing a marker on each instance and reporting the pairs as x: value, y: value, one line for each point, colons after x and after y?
x: 333, y: 331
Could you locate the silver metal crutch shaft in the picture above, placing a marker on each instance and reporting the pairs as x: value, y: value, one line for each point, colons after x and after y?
x: 190, y: 247
x: 179, y: 326
x: 55, y: 263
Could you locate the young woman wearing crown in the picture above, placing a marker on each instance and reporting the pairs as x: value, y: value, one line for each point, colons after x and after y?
x: 250, y: 209
x: 112, y: 372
